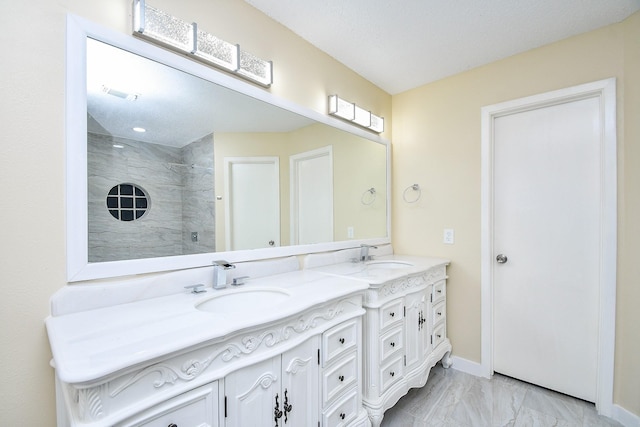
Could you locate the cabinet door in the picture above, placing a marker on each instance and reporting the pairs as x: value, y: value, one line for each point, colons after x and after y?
x: 251, y: 394
x: 417, y: 337
x: 300, y: 385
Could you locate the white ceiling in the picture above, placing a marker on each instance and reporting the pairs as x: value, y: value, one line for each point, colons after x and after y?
x: 402, y: 44
x: 174, y: 107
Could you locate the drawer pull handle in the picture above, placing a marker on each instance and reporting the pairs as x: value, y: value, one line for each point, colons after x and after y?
x: 392, y: 344
x: 341, y: 340
x: 393, y: 374
x: 439, y: 291
x: 341, y: 378
x: 342, y: 415
x: 392, y: 314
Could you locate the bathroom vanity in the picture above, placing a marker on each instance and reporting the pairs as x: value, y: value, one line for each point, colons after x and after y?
x: 330, y: 345
x: 405, y: 323
x: 284, y: 349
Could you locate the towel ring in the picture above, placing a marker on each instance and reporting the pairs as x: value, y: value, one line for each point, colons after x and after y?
x: 414, y: 187
x: 372, y: 196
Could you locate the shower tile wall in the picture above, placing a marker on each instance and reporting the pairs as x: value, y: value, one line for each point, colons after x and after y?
x: 163, y: 174
x: 198, y: 206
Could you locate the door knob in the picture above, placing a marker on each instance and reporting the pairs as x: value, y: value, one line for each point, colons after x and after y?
x: 501, y: 258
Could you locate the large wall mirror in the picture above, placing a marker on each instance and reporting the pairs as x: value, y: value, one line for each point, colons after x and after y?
x: 172, y: 164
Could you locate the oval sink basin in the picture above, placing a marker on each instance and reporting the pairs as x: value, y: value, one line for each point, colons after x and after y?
x: 388, y: 265
x: 244, y: 300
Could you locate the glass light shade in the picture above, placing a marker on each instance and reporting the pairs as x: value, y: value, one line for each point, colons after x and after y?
x: 161, y: 26
x: 256, y: 69
x: 216, y: 51
x: 377, y: 123
x: 341, y: 108
x: 362, y: 117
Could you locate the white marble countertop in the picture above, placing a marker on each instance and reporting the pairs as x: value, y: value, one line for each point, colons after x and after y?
x: 381, y: 269
x: 89, y: 345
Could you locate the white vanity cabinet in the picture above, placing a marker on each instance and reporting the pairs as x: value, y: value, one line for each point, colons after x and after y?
x: 273, y: 368
x: 405, y: 336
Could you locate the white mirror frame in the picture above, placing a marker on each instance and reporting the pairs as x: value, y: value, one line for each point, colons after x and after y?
x: 78, y: 266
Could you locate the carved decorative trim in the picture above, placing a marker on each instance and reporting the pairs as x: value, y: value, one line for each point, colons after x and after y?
x: 296, y: 364
x: 400, y: 285
x: 264, y: 381
x: 90, y: 403
x: 246, y: 345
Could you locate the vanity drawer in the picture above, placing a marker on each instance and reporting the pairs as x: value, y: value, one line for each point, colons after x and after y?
x: 439, y: 291
x: 438, y: 335
x: 391, y: 372
x: 391, y: 312
x: 342, y: 412
x: 439, y: 312
x: 193, y: 408
x: 339, y: 378
x: 338, y: 340
x: 391, y: 342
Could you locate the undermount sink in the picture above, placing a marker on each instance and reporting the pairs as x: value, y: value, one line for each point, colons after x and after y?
x: 244, y: 300
x: 388, y: 265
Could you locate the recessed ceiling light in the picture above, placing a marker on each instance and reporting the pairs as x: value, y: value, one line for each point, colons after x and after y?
x: 139, y: 129
x: 118, y: 146
x: 120, y: 94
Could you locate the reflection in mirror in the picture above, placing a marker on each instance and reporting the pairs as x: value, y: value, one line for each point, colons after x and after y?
x: 178, y: 165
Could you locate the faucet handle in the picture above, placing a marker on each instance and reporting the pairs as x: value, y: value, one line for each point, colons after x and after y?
x: 241, y: 280
x: 196, y: 289
x: 224, y: 264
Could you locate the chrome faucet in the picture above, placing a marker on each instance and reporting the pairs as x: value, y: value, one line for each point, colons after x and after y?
x: 364, y: 252
x: 220, y: 273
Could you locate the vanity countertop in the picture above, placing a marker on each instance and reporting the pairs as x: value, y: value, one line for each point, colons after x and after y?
x: 90, y: 345
x: 382, y: 269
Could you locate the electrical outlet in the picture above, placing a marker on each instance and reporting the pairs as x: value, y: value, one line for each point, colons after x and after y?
x: 194, y: 236
x: 350, y: 232
x: 448, y: 236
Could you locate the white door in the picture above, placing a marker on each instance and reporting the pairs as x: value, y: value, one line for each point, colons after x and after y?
x: 252, y: 208
x: 312, y: 196
x: 547, y: 216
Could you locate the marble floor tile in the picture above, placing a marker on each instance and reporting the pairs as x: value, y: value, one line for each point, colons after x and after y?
x: 454, y: 399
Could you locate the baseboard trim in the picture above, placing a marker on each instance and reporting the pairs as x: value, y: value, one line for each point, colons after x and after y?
x: 467, y: 366
x: 624, y: 417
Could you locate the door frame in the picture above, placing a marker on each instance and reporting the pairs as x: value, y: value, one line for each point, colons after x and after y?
x: 294, y: 164
x: 605, y: 91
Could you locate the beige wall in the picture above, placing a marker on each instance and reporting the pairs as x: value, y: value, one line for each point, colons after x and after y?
x: 436, y: 143
x: 358, y: 164
x: 32, y: 168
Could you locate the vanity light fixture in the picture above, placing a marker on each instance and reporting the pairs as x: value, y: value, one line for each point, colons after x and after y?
x: 159, y: 27
x: 351, y: 112
x: 139, y: 129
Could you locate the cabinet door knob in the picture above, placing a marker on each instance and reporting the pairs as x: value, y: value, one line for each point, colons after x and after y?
x: 392, y: 344
x: 341, y: 378
x: 393, y: 374
x: 341, y: 340
x: 342, y: 415
x: 392, y: 314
